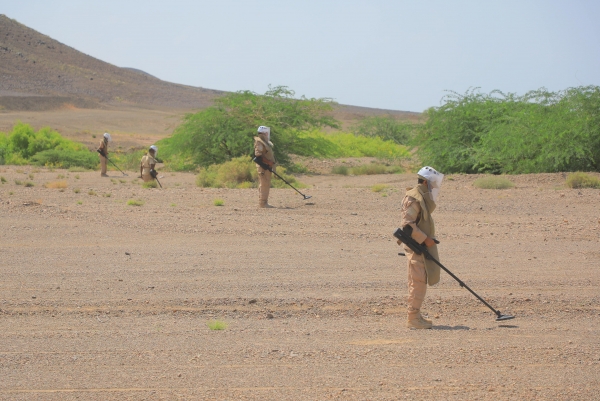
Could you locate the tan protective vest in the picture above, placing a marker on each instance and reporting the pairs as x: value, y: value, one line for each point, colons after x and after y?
x: 268, y: 152
x: 426, y: 225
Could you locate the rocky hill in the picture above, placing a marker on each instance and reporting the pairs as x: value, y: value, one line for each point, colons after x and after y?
x: 38, y: 72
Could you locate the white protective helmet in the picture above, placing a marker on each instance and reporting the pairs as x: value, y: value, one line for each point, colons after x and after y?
x: 107, y: 137
x: 155, y: 149
x: 265, y: 130
x: 434, y: 180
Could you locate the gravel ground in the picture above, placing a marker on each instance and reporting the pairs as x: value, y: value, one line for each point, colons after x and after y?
x: 100, y: 300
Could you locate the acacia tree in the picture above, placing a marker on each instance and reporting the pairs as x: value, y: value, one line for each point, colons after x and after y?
x: 541, y: 131
x: 225, y: 130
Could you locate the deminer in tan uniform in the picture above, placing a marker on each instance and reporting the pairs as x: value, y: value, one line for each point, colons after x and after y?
x: 103, y: 151
x: 263, y: 148
x: 148, y: 163
x: 417, y: 207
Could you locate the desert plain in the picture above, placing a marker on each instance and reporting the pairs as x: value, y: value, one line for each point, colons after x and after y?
x: 101, y: 300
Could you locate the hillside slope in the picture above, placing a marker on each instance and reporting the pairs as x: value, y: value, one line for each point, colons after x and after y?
x: 38, y: 72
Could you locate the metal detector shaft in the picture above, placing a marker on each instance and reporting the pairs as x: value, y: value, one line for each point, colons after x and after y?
x: 419, y: 249
x: 156, y: 178
x: 111, y: 162
x: 266, y: 167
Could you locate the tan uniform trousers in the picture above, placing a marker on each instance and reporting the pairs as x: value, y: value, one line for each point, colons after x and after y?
x: 147, y: 177
x: 417, y: 282
x: 102, y: 165
x: 264, y: 185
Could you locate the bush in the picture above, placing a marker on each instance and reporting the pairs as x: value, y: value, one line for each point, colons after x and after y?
x: 225, y: 131
x: 342, y: 170
x: 493, y: 182
x: 132, y: 202
x: 66, y: 159
x: 386, y: 128
x: 216, y: 325
x: 582, y: 180
x: 239, y: 173
x: 540, y: 131
x: 150, y: 184
x: 342, y: 144
x: 44, y: 147
x: 219, y: 202
x: 379, y: 187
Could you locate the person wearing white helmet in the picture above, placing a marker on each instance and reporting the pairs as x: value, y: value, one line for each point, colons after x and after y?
x: 103, y: 151
x: 263, y: 150
x: 148, y: 163
x: 417, y: 206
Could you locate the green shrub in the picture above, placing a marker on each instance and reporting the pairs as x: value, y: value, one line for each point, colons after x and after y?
x: 218, y: 202
x: 45, y: 147
x: 385, y: 127
x: 224, y: 131
x: 29, y: 184
x: 297, y: 168
x: 2, y: 179
x: 216, y: 325
x: 379, y: 187
x: 343, y: 144
x: 132, y: 202
x: 582, y: 180
x: 83, y: 159
x: 540, y: 131
x: 150, y: 184
x: 342, y: 170
x: 493, y: 182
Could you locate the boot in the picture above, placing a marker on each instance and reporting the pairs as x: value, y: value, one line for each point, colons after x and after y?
x: 418, y: 323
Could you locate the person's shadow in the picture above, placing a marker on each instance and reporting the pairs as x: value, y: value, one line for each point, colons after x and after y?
x: 451, y: 328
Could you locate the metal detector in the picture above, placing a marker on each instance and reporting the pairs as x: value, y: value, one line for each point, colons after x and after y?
x: 154, y: 175
x: 258, y: 160
x: 405, y: 236
x: 111, y: 162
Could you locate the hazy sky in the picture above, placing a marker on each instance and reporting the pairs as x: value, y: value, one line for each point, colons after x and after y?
x: 398, y: 55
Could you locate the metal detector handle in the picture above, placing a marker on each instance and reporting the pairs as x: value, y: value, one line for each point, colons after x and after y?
x: 259, y: 160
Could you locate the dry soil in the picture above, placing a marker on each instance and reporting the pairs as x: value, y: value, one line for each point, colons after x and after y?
x: 100, y: 300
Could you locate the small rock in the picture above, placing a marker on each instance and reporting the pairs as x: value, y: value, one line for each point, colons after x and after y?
x: 269, y: 316
x: 252, y: 301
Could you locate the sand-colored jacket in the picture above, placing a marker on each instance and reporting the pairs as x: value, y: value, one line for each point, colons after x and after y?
x: 103, y: 147
x: 416, y: 214
x: 264, y: 149
x: 147, y: 162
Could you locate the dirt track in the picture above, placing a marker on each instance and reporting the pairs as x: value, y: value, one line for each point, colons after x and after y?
x: 101, y: 300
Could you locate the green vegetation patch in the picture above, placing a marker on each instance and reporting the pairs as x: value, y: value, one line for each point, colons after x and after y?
x: 216, y: 325
x: 379, y: 187
x: 538, y: 132
x: 239, y: 173
x: 224, y: 131
x: 582, y: 180
x: 150, y: 184
x: 219, y: 202
x: 133, y: 202
x: 342, y: 144
x: 493, y: 182
x: 46, y: 147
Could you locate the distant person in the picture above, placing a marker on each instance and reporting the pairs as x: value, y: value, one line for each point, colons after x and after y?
x: 417, y: 206
x: 148, y: 163
x: 263, y: 150
x: 103, y: 151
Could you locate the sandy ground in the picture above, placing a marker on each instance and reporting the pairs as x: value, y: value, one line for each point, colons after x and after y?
x: 104, y: 301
